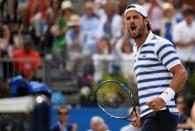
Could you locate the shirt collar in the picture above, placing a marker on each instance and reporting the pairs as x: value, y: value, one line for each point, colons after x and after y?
x: 148, y: 39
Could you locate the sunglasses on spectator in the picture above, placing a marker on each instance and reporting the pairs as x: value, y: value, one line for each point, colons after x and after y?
x: 63, y: 113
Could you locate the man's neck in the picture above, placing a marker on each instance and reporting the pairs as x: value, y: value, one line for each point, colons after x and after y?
x: 63, y: 124
x: 189, y: 23
x: 140, y: 41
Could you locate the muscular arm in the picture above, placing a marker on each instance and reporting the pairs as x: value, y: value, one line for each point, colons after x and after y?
x: 180, y: 76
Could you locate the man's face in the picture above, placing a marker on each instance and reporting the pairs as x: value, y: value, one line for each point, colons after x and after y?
x: 180, y: 102
x: 27, y: 48
x: 63, y: 115
x: 135, y: 24
x: 188, y: 18
x: 89, y: 11
x: 96, y: 125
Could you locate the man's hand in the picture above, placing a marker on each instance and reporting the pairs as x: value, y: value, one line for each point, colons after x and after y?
x: 136, y: 121
x: 156, y: 104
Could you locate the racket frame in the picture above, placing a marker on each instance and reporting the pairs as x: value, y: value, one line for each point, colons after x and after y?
x: 131, y: 99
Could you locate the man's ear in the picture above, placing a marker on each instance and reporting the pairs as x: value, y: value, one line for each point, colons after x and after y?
x: 146, y: 20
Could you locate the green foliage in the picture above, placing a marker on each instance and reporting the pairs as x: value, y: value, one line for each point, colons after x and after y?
x: 117, y: 76
x: 4, y: 90
x: 191, y: 89
x: 120, y: 78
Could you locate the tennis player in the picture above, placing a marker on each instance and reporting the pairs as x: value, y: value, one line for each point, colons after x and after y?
x: 159, y: 73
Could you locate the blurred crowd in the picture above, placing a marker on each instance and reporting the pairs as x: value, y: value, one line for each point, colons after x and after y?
x: 93, y: 33
x: 90, y: 39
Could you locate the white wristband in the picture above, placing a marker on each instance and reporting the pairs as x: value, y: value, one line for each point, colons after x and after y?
x: 167, y: 95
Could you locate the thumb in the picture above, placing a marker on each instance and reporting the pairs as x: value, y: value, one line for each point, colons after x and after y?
x: 149, y: 103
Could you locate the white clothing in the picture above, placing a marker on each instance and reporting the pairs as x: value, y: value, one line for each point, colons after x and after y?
x: 185, y: 33
x: 129, y: 128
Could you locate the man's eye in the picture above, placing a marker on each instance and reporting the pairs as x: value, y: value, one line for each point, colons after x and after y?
x: 136, y: 17
x: 128, y: 18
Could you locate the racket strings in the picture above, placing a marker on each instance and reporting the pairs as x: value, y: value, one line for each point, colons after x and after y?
x: 114, y: 100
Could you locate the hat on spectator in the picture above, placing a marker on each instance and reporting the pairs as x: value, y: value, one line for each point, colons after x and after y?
x: 66, y: 5
x: 138, y: 8
x: 167, y: 7
x: 74, y: 21
x: 27, y: 39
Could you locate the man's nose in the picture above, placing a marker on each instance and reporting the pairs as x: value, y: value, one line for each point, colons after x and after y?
x: 131, y: 20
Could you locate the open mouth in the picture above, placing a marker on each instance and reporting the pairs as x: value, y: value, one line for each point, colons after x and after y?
x: 133, y: 27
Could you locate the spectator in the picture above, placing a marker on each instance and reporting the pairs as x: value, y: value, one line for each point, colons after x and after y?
x: 8, y: 10
x: 177, y: 6
x: 112, y: 25
x: 89, y: 24
x: 74, y: 46
x: 47, y: 36
x: 6, y: 49
x: 98, y: 124
x: 155, y: 14
x: 125, y: 54
x: 36, y: 6
x: 5, y: 38
x: 27, y: 60
x: 18, y: 38
x: 73, y: 33
x: 62, y: 124
x: 184, y: 39
x: 36, y: 28
x: 102, y: 59
x: 169, y: 21
x: 60, y: 29
x: 55, y: 6
x: 184, y: 120
x: 99, y: 8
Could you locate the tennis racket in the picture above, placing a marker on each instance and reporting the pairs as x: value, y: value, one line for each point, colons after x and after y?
x: 115, y: 99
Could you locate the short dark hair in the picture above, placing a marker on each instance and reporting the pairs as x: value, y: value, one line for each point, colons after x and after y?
x: 63, y: 107
x: 188, y: 11
x: 148, y: 25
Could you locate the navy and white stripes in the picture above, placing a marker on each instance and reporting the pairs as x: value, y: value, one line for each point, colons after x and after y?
x: 154, y: 59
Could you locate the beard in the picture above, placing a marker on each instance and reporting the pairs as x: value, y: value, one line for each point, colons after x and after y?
x: 139, y: 33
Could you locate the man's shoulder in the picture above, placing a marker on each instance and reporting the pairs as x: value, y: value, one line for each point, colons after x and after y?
x: 180, y: 25
x: 18, y: 53
x: 55, y: 127
x: 35, y: 53
x: 162, y: 40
